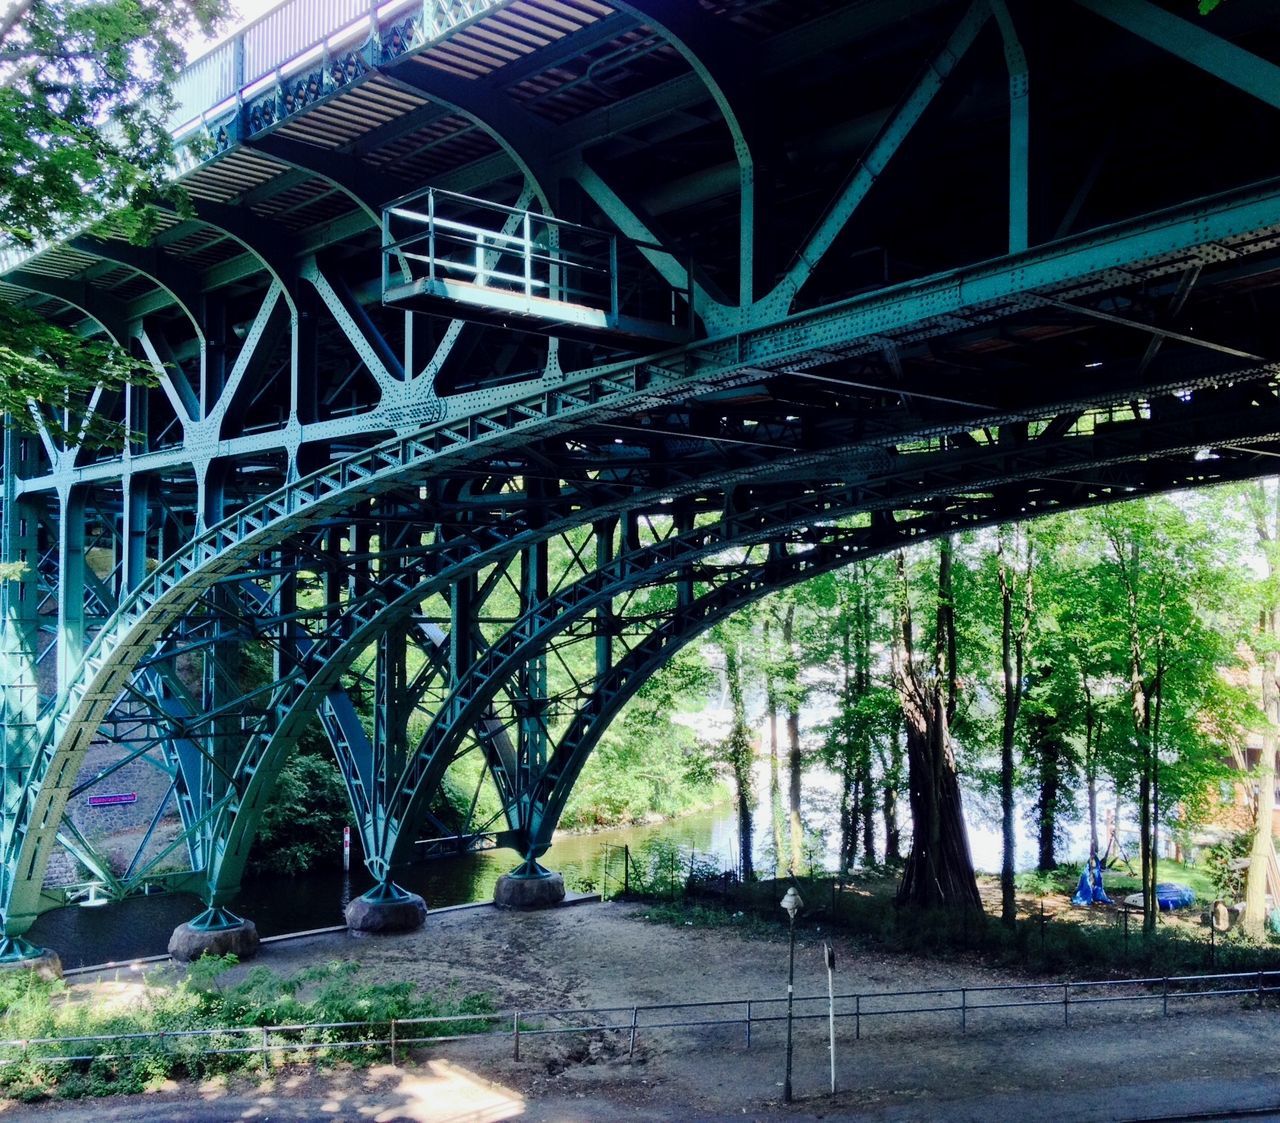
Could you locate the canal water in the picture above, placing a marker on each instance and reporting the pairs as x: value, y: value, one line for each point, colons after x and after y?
x: 85, y: 935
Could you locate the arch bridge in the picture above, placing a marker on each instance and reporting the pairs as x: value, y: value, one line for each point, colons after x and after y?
x: 507, y: 345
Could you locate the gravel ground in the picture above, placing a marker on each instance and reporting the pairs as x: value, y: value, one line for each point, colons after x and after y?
x: 1113, y: 1061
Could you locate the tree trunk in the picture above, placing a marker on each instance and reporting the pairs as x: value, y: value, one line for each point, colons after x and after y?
x: 1050, y: 790
x: 1263, y: 848
x: 740, y: 760
x: 794, y: 762
x: 1091, y: 769
x: 939, y: 869
x: 1012, y: 693
x: 1262, y: 851
x: 889, y: 806
x: 775, y: 785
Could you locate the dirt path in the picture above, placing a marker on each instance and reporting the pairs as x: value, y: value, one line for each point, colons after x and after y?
x: 902, y: 1067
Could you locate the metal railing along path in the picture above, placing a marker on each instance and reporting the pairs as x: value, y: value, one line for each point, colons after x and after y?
x: 396, y: 1034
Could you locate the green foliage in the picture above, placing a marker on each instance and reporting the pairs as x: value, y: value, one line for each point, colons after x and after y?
x: 302, y: 823
x: 1228, y: 883
x: 83, y: 134
x: 664, y: 869
x: 646, y: 764
x: 33, y: 1008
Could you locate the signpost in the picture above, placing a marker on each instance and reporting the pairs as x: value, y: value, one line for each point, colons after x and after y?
x: 113, y: 800
x: 829, y: 954
x: 346, y: 849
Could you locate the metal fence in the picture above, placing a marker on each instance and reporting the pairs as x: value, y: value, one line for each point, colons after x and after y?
x: 959, y: 1006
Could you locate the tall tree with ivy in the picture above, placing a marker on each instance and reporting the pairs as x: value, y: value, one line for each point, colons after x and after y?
x: 85, y: 96
x: 939, y: 867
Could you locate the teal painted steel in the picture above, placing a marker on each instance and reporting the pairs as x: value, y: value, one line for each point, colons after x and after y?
x: 338, y: 509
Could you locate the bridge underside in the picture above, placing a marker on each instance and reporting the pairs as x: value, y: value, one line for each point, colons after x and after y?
x: 944, y: 265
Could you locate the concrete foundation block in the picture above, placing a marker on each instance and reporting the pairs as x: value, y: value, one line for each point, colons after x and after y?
x: 47, y: 964
x: 515, y: 892
x: 404, y: 912
x: 188, y: 943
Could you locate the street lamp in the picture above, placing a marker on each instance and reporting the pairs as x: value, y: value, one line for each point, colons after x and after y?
x: 792, y: 903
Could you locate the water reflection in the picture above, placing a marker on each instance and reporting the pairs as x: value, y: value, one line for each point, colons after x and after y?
x: 140, y: 927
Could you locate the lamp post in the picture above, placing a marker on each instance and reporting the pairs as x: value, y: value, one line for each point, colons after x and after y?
x: 792, y: 903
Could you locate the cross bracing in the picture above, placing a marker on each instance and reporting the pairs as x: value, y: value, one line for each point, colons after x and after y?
x: 943, y: 264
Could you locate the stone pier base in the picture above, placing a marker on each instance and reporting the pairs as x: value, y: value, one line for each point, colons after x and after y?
x: 385, y: 909
x: 17, y: 954
x: 214, y: 932
x: 520, y: 890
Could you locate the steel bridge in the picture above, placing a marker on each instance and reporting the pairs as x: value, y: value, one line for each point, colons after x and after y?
x: 509, y: 344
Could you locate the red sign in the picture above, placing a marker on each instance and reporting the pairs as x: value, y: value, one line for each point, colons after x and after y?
x: 113, y: 800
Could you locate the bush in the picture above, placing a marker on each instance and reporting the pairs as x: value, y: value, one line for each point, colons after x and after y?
x: 33, y: 1008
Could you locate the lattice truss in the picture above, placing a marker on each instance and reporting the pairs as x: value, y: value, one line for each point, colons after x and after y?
x: 919, y: 267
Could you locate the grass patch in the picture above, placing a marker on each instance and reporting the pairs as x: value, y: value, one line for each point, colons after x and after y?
x: 34, y: 1008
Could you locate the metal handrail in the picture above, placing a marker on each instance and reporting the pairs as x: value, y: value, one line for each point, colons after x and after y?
x: 1260, y: 983
x: 553, y: 257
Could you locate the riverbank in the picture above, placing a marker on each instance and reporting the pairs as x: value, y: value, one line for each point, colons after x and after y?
x: 609, y: 955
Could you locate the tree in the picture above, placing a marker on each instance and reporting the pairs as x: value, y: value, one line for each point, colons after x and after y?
x: 1263, y: 501
x: 737, y: 750
x: 939, y: 869
x: 866, y: 716
x: 84, y: 105
x: 1014, y: 563
x: 1168, y: 593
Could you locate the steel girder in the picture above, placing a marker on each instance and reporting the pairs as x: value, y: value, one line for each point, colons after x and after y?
x: 503, y: 659
x: 673, y: 405
x: 1073, y: 268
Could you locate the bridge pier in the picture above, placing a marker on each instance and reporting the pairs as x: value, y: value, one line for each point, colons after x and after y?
x: 216, y: 931
x: 529, y: 886
x: 386, y: 908
x: 17, y: 954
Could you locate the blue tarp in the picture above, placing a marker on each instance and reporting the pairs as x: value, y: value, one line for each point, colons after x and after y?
x: 1090, y: 891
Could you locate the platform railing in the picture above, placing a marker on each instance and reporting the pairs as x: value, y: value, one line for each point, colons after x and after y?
x: 440, y: 237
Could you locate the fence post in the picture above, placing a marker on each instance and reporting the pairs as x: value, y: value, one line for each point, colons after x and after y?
x: 515, y: 1035
x: 1259, y: 987
x: 393, y: 1043
x: 1166, y: 996
x: 264, y: 1050
x: 964, y: 1009
x: 857, y: 1017
x: 635, y: 1018
x: 626, y: 869
x: 1066, y: 1004
x: 748, y: 1023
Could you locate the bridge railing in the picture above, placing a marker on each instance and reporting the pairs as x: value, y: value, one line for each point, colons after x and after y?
x: 290, y: 34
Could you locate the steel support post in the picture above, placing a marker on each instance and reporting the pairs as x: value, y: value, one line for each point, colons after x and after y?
x: 71, y: 634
